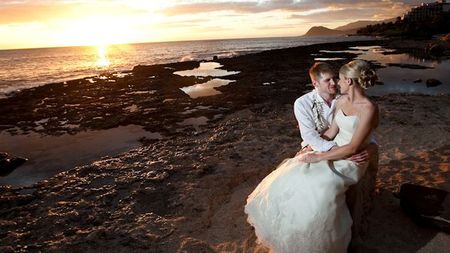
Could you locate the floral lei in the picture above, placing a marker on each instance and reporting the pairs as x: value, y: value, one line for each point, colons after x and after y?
x: 317, y: 109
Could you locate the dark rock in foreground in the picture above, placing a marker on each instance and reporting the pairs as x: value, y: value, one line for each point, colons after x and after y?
x: 8, y: 163
x: 433, y: 82
x: 438, y: 48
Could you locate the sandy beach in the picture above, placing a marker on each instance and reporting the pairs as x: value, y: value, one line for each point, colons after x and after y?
x: 186, y: 192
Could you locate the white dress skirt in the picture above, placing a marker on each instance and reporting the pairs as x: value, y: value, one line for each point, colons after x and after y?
x: 300, y: 207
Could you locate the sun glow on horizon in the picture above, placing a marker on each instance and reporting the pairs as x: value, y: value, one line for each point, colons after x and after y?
x: 93, y: 24
x: 94, y: 31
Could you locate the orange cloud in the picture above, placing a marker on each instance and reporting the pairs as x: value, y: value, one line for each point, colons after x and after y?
x: 29, y: 12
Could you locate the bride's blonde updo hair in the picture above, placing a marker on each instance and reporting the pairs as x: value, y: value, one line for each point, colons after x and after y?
x: 360, y: 72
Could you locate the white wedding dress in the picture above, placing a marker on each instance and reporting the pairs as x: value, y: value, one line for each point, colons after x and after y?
x: 300, y: 207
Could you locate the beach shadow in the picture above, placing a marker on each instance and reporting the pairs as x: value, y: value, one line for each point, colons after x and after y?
x: 390, y: 228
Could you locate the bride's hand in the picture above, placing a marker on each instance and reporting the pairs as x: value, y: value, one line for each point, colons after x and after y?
x: 310, y: 158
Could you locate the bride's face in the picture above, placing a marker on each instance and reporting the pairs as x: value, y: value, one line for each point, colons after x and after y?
x: 344, y: 83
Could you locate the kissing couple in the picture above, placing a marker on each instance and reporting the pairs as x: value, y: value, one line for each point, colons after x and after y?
x: 301, y: 206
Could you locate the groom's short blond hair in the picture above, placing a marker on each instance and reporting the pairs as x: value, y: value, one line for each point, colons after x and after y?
x: 319, y: 68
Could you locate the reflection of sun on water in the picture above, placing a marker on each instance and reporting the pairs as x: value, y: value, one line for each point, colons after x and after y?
x: 102, y: 60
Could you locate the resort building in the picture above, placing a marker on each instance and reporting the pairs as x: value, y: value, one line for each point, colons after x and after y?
x: 427, y: 11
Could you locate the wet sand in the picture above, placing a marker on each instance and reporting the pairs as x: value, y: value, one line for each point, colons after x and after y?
x: 186, y: 192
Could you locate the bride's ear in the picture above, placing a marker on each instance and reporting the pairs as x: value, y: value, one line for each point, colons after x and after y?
x: 349, y: 81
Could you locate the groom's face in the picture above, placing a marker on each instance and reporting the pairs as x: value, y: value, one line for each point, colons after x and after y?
x: 326, y: 84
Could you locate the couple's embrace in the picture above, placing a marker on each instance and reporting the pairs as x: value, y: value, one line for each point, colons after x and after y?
x: 300, y: 207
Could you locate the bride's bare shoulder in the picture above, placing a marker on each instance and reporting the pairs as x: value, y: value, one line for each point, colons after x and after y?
x: 370, y: 111
x: 341, y: 99
x: 368, y: 105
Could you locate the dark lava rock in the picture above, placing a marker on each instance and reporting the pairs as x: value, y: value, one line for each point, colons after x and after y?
x: 195, y: 245
x: 408, y: 66
x: 436, y: 49
x: 417, y: 81
x: 433, y: 82
x: 164, y: 69
x: 9, y: 163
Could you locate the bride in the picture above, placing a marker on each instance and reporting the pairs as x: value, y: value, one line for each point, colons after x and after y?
x: 300, y: 207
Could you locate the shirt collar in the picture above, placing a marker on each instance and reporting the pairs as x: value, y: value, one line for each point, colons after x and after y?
x: 321, y: 100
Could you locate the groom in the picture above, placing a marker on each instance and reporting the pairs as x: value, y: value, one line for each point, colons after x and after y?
x: 314, y: 113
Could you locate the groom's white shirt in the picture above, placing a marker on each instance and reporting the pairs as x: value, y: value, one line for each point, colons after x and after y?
x: 309, y: 131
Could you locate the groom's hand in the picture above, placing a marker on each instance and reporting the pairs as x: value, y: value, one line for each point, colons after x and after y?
x: 309, y: 158
x: 304, y: 150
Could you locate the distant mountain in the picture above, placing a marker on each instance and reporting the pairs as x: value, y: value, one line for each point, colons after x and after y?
x: 351, y: 28
x: 356, y: 25
x: 322, y: 31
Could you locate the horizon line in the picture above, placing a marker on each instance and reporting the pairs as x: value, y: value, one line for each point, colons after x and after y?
x: 168, y: 41
x: 146, y: 42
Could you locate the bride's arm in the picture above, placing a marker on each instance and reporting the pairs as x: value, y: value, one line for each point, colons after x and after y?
x: 331, y: 132
x: 369, y: 113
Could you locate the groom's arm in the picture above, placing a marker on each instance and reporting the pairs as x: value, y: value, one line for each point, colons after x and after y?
x: 304, y: 115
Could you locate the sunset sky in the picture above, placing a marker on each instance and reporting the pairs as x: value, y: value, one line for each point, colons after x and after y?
x: 47, y: 23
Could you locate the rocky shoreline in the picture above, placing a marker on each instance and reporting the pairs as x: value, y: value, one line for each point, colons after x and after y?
x: 186, y: 191
x: 150, y: 96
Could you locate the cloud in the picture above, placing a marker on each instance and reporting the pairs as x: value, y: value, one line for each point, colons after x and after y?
x: 240, y: 7
x: 17, y: 12
x: 184, y: 23
x: 372, y: 11
x: 13, y: 12
x: 275, y: 26
x: 22, y: 11
x: 189, y: 7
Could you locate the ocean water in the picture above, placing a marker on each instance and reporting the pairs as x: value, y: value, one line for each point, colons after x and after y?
x: 25, y: 68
